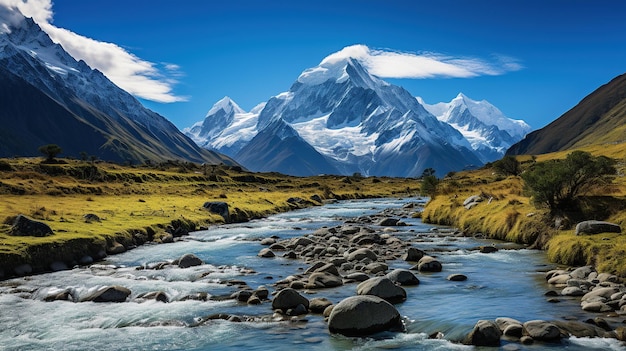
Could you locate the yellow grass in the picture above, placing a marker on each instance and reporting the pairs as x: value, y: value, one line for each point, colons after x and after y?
x: 148, y: 199
x: 511, y: 215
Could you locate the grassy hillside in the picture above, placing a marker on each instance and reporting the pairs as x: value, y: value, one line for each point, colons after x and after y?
x: 138, y: 204
x: 511, y: 216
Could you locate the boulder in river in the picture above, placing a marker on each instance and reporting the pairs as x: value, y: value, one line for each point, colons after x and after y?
x: 363, y: 315
x: 108, y: 294
x: 429, y: 264
x: 289, y: 299
x: 403, y: 277
x: 189, y: 260
x: 542, y: 331
x: 382, y: 287
x: 485, y: 333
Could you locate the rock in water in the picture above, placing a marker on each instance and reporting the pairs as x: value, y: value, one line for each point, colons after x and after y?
x: 363, y: 315
x: 108, y: 294
x: 485, y: 333
x: 189, y: 260
x: 288, y: 299
x: 382, y: 287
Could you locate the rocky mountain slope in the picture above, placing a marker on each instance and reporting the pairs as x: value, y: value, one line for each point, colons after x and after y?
x: 339, y: 118
x: 599, y: 118
x: 50, y: 98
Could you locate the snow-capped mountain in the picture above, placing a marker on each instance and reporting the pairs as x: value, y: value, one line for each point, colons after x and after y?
x: 487, y: 129
x: 226, y: 127
x: 49, y: 97
x: 349, y: 121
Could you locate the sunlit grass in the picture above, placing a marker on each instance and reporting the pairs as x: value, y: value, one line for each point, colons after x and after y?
x: 148, y: 199
x: 512, y: 216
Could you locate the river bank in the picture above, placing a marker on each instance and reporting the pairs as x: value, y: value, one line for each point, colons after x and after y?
x: 97, y: 209
x: 173, y: 302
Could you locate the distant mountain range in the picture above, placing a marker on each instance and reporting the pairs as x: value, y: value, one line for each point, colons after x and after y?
x: 599, y: 118
x: 47, y: 97
x: 338, y: 118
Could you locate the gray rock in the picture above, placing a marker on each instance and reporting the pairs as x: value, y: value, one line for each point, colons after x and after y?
x: 510, y: 327
x: 382, y: 287
x: 542, y: 331
x: 108, y: 294
x: 324, y: 280
x: 362, y: 316
x: 428, y: 264
x: 266, y: 253
x: 471, y: 199
x: 388, y: 222
x: 403, y: 277
x: 457, y: 277
x: 597, y: 227
x: 319, y: 304
x: 287, y: 299
x: 116, y: 248
x: 362, y: 253
x: 485, y: 333
x: 24, y: 226
x: 582, y: 272
x: 413, y: 254
x: 218, y: 207
x: 376, y: 267
x: 357, y: 276
x: 189, y: 260
x: 572, y: 291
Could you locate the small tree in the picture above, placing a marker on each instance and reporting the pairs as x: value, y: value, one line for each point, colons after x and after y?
x: 429, y: 186
x: 50, y: 151
x: 507, y: 166
x: 428, y: 172
x: 557, y: 183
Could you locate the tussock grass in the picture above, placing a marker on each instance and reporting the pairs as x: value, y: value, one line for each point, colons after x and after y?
x: 511, y: 215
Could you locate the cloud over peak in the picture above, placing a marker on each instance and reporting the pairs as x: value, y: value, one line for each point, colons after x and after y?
x: 139, y: 77
x: 397, y: 64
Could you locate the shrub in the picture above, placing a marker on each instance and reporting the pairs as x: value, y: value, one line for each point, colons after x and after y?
x: 50, y: 151
x: 557, y: 183
x: 507, y: 166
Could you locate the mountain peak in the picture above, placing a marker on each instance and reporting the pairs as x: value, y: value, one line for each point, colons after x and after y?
x: 341, y: 66
x: 226, y: 104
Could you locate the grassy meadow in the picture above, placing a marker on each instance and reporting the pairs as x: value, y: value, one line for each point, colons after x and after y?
x: 137, y: 204
x: 507, y: 213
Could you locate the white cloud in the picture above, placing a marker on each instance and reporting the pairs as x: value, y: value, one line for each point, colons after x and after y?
x: 395, y: 64
x: 139, y: 77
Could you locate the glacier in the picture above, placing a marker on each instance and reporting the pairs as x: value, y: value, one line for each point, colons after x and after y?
x: 357, y: 122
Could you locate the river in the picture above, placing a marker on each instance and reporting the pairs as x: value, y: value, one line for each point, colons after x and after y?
x: 507, y: 283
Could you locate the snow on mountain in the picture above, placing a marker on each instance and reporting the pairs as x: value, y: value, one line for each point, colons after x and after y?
x: 226, y: 127
x: 351, y: 120
x: 487, y: 129
x: 98, y: 117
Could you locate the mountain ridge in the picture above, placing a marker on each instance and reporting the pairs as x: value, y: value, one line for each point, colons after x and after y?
x: 599, y: 117
x: 357, y: 122
x: 113, y: 125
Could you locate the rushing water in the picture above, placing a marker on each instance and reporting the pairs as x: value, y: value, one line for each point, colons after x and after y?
x: 508, y: 283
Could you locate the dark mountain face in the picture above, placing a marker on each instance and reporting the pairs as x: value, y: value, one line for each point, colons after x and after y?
x: 78, y: 108
x: 278, y: 148
x: 590, y: 120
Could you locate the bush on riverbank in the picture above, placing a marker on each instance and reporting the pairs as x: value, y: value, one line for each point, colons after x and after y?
x: 507, y: 213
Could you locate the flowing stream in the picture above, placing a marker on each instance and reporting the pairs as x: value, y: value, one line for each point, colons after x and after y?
x: 507, y: 283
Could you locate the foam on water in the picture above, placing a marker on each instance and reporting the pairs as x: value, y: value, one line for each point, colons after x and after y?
x: 498, y: 285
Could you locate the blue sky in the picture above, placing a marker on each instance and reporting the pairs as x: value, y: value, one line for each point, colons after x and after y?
x: 547, y: 55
